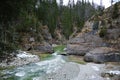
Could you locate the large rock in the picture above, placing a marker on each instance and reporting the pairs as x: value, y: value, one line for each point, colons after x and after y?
x: 76, y: 49
x: 98, y: 58
x: 102, y: 54
x: 83, y: 43
x: 44, y: 48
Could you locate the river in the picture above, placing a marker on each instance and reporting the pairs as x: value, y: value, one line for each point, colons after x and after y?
x: 55, y: 67
x: 34, y: 70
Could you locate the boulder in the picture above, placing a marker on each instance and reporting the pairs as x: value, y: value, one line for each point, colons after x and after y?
x: 97, y: 58
x: 44, y: 48
x: 102, y: 54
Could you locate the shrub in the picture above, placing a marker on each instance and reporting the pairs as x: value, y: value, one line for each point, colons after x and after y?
x: 103, y: 32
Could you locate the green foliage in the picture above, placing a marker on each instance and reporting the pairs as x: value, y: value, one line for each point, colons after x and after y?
x: 67, y: 21
x: 47, y: 13
x: 54, y: 15
x: 10, y: 9
x: 103, y: 32
x: 8, y: 47
x: 27, y: 22
x: 22, y: 16
x: 10, y: 12
x: 115, y: 13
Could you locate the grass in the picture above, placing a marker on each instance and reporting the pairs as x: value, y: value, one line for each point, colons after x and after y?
x: 76, y: 59
x: 59, y: 48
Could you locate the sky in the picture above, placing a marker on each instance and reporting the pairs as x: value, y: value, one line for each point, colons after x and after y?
x: 106, y: 3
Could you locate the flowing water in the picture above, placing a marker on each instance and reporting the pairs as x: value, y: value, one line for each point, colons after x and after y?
x: 56, y: 63
x: 37, y: 70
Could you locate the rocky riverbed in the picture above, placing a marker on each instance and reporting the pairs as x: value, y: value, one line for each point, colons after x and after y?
x: 58, y: 68
x: 20, y: 58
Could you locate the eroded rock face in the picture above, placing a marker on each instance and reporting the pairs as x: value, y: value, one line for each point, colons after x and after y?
x: 81, y: 44
x: 102, y: 54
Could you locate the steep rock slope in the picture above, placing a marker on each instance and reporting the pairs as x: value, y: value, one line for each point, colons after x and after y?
x: 100, y: 37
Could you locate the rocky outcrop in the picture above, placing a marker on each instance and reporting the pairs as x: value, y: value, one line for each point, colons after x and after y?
x: 40, y: 40
x: 81, y: 44
x: 100, y: 34
x: 102, y: 54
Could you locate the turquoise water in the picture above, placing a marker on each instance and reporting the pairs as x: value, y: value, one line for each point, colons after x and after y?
x: 35, y: 71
